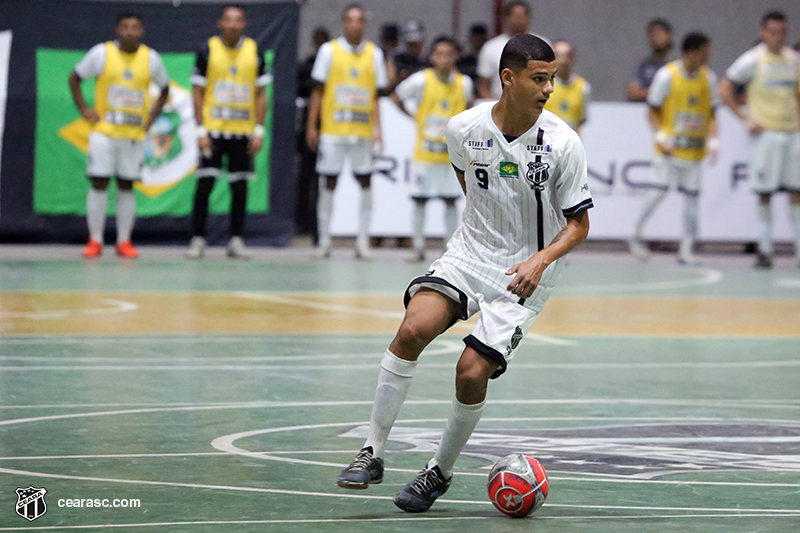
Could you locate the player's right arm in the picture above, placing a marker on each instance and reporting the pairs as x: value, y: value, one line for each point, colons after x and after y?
x: 456, y: 150
x: 656, y: 96
x: 198, y: 80
x: 89, y: 67
x: 741, y: 72
x: 319, y: 75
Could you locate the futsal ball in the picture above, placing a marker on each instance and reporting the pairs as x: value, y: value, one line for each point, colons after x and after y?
x: 517, y: 485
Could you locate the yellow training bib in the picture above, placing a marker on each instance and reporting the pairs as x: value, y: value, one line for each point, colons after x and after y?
x: 349, y: 99
x: 686, y: 113
x: 121, y: 93
x: 440, y: 101
x: 229, y: 104
x: 772, y: 94
x: 567, y: 101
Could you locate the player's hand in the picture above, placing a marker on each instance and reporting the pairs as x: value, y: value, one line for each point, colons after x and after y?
x: 254, y: 146
x: 753, y: 127
x: 91, y: 115
x: 377, y: 142
x: 312, y: 138
x: 666, y: 147
x: 204, y: 145
x: 528, y: 275
x: 713, y: 147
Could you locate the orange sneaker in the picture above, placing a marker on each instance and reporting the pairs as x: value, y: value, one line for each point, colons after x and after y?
x: 127, y: 249
x: 93, y: 249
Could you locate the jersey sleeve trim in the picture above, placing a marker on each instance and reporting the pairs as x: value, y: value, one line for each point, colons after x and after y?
x: 457, y: 169
x: 574, y: 210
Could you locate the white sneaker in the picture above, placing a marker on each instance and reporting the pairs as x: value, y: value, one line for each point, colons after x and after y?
x: 197, y: 248
x: 236, y: 249
x: 416, y: 256
x: 688, y: 258
x: 638, y: 249
x: 363, y: 253
x: 323, y: 252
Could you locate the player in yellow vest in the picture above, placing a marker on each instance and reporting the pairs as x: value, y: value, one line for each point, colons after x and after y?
x: 682, y: 100
x: 431, y: 96
x: 230, y: 107
x: 121, y: 116
x: 572, y: 93
x: 771, y: 72
x: 349, y: 72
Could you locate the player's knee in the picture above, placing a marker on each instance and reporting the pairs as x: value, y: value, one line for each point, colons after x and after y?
x: 471, y: 383
x: 415, y: 334
x: 100, y: 184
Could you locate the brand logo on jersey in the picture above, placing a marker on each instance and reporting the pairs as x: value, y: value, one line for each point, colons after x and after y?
x: 585, y: 187
x: 537, y: 174
x: 128, y: 75
x: 445, y: 104
x: 509, y: 170
x: 693, y: 100
x: 515, y: 340
x: 353, y: 73
x: 233, y: 70
x: 542, y: 149
x: 476, y: 163
x: 480, y: 145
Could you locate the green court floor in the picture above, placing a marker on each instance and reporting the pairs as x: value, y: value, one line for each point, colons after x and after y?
x: 227, y: 396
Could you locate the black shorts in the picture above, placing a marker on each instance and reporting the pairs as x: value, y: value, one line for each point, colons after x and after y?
x: 240, y: 164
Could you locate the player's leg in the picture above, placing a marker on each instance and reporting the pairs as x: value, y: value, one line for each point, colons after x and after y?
x: 794, y: 211
x: 361, y: 160
x: 208, y: 171
x: 130, y: 158
x: 793, y: 186
x: 418, y: 230
x: 766, y: 161
x: 330, y: 158
x: 428, y: 314
x: 99, y: 169
x: 689, y: 175
x: 240, y: 170
x: 656, y: 195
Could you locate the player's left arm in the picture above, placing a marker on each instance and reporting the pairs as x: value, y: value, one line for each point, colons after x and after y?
x: 159, y: 75
x: 257, y: 138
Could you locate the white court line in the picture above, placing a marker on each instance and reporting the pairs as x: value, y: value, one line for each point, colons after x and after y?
x: 422, y: 364
x: 117, y: 306
x: 734, y: 510
x: 789, y: 283
x: 708, y: 276
x: 380, y: 520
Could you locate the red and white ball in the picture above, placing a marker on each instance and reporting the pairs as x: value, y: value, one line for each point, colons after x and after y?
x: 517, y: 485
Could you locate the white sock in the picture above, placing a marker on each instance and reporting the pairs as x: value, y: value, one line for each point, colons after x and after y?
x: 365, y: 216
x: 450, y: 221
x: 324, y: 211
x: 690, y: 208
x: 654, y: 197
x: 394, y: 380
x: 764, y: 228
x: 794, y: 211
x: 96, y: 207
x: 460, y: 426
x: 126, y: 214
x: 418, y: 226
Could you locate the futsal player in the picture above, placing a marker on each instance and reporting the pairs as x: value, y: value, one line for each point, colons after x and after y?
x: 121, y: 116
x: 431, y: 97
x: 571, y: 93
x: 771, y: 72
x: 682, y: 100
x: 349, y: 72
x: 230, y: 106
x: 523, y: 171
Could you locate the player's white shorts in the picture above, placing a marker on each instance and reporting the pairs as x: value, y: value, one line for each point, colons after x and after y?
x: 334, y: 150
x: 504, y: 321
x: 430, y: 180
x: 109, y: 157
x: 686, y: 175
x: 775, y: 162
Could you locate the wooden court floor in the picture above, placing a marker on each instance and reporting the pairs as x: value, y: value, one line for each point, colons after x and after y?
x: 226, y: 396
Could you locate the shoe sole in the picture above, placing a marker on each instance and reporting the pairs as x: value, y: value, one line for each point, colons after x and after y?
x: 407, y: 509
x: 357, y: 486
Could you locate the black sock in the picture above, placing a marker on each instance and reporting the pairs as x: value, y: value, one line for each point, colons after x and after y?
x: 238, y: 207
x: 200, y: 211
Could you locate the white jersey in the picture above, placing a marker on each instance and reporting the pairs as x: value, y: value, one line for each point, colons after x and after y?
x: 519, y: 193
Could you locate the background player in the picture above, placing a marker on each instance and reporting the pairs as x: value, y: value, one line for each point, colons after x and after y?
x: 349, y: 72
x: 523, y: 171
x: 659, y: 37
x: 121, y: 116
x: 682, y: 100
x: 230, y: 106
x: 571, y: 93
x: 770, y: 71
x: 431, y: 97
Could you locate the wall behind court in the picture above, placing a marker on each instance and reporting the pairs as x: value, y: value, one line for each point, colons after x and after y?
x: 609, y: 34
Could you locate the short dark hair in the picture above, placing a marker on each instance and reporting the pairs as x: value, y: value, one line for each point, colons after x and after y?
x: 523, y: 48
x: 694, y: 41
x: 774, y: 14
x: 353, y: 5
x: 231, y: 6
x: 444, y: 39
x: 390, y: 32
x: 479, y: 28
x: 659, y: 23
x: 508, y: 7
x: 129, y: 15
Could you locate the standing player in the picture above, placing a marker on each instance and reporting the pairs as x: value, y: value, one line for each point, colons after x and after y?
x: 682, y: 100
x: 431, y: 97
x: 349, y: 72
x: 659, y: 37
x: 524, y: 173
x: 121, y: 116
x: 230, y: 106
x: 571, y: 93
x: 770, y: 72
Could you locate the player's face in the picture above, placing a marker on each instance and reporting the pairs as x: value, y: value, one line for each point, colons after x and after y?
x: 232, y: 23
x: 660, y: 39
x: 565, y: 56
x: 353, y: 24
x: 774, y: 33
x: 444, y: 56
x: 529, y: 88
x: 518, y: 20
x: 129, y: 32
